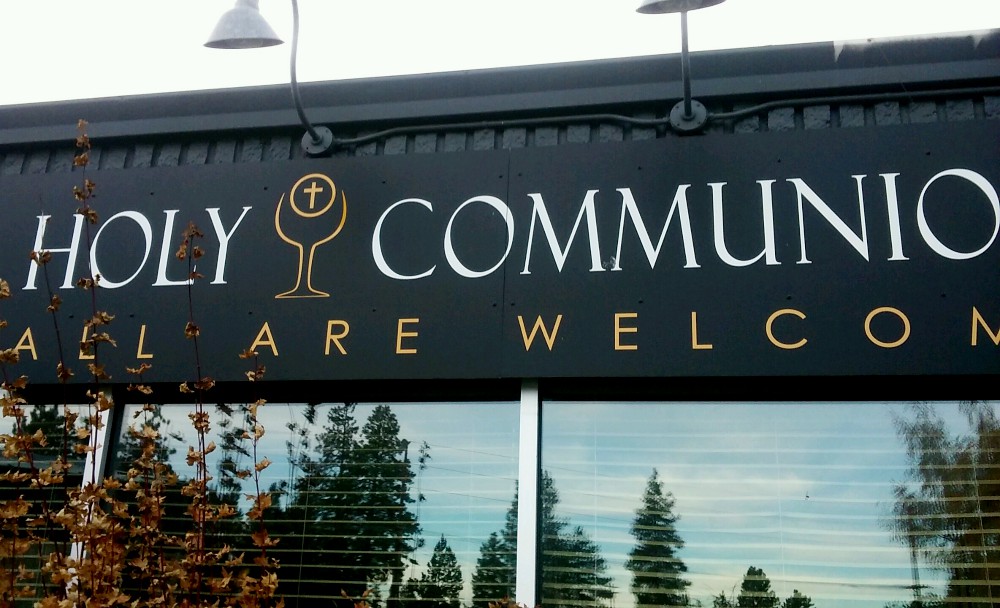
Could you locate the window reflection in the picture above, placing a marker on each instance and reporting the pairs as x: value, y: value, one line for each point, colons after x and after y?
x: 38, y: 475
x: 772, y: 504
x: 397, y: 498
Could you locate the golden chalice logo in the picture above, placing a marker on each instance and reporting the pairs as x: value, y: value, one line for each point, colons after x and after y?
x: 310, y: 217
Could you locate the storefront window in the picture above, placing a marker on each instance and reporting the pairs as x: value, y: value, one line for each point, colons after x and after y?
x: 860, y: 505
x: 404, y: 499
x: 34, y: 488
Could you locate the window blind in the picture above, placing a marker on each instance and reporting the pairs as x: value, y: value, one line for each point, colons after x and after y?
x: 399, y: 498
x: 770, y: 504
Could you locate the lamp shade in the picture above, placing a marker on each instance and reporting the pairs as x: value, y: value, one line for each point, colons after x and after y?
x: 651, y: 7
x: 242, y: 27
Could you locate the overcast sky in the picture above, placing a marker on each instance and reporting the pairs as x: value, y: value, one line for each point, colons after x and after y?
x: 70, y: 49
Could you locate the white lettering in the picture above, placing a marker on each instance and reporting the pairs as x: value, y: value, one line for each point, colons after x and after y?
x: 679, y: 205
x: 449, y: 249
x: 928, y: 235
x: 220, y: 231
x: 72, y: 250
x: 539, y: 212
x: 804, y: 192
x: 147, y: 232
x: 165, y: 253
x: 767, y: 211
x: 377, y: 254
x: 892, y: 206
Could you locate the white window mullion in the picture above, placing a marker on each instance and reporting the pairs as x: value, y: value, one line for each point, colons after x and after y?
x: 94, y: 465
x: 97, y: 460
x: 527, y: 494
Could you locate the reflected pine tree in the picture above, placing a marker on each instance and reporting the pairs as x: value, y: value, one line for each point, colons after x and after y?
x: 755, y: 591
x: 133, y: 441
x: 57, y: 444
x: 147, y: 453
x: 346, y: 524
x: 797, y: 600
x: 441, y: 583
x: 153, y: 481
x: 59, y: 441
x: 657, y: 571
x: 927, y: 601
x: 390, y: 528
x: 318, y: 526
x: 573, y: 570
x: 152, y: 494
x: 496, y: 567
x: 234, y: 452
x: 493, y: 577
x: 948, y: 511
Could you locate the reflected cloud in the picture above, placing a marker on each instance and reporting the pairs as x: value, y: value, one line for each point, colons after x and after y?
x: 798, y: 489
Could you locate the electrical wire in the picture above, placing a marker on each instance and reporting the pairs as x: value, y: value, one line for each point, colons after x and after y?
x: 658, y: 122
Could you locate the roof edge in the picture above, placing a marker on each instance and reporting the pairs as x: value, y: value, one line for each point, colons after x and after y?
x: 798, y: 70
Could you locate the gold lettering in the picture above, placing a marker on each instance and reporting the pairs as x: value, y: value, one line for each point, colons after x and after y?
x: 898, y: 313
x: 27, y: 342
x: 83, y: 340
x: 335, y: 338
x: 142, y: 340
x: 694, y: 334
x: 978, y: 320
x: 768, y: 328
x: 539, y: 325
x: 265, y: 338
x: 400, y: 334
x: 619, y: 330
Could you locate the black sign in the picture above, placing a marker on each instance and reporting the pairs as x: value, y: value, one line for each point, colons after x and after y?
x: 809, y: 253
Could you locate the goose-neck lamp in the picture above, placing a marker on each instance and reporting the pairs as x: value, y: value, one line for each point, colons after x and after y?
x: 688, y: 115
x: 243, y: 27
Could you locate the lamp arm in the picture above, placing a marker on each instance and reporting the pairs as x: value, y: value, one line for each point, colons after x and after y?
x: 316, y: 141
x: 295, y: 83
x: 685, y: 65
x: 688, y: 116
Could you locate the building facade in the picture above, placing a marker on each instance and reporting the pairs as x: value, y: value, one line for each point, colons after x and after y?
x: 523, y: 338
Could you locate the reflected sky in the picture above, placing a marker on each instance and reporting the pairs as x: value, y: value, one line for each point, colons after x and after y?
x: 803, y: 491
x: 800, y: 490
x: 467, y: 483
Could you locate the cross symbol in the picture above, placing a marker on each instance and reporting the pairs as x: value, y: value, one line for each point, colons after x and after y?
x: 312, y: 191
